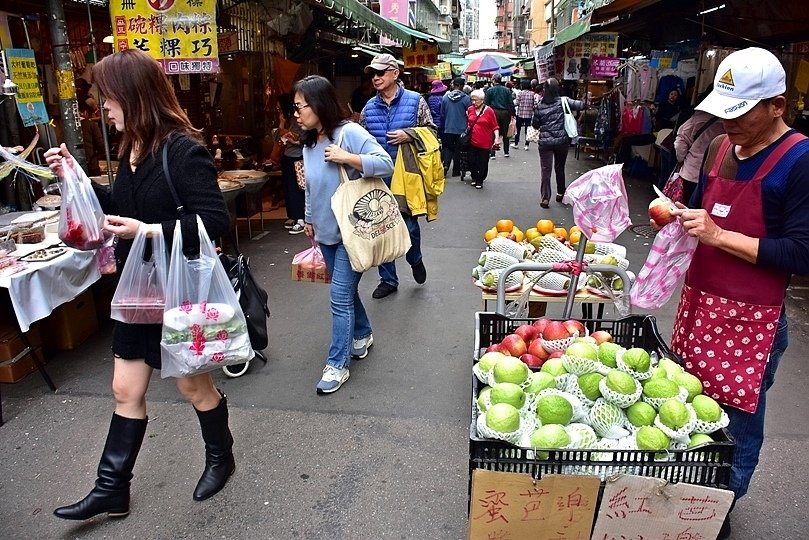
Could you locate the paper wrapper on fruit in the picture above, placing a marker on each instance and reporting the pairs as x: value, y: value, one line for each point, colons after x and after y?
x: 600, y: 204
x: 201, y: 337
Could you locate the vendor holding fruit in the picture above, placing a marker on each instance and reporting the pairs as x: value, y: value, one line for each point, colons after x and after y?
x: 749, y: 213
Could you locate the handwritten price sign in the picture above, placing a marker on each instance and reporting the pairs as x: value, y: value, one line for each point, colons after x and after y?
x: 510, y: 506
x: 641, y: 508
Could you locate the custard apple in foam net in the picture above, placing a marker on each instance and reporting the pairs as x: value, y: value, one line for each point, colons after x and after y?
x: 581, y: 435
x: 607, y: 419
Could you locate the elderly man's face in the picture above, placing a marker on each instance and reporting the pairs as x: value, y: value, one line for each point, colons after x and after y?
x: 383, y: 80
x: 755, y: 127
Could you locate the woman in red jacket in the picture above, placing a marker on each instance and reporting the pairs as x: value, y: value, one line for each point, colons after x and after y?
x: 485, y: 137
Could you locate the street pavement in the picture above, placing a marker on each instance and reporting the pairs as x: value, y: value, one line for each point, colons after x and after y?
x: 384, y: 457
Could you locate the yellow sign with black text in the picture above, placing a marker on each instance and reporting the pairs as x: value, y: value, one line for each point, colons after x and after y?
x: 424, y: 54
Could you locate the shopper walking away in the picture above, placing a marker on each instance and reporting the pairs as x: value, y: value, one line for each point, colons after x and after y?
x: 750, y: 213
x: 501, y: 99
x: 293, y: 153
x: 140, y: 101
x: 486, y: 137
x: 437, y: 91
x: 330, y: 142
x: 549, y: 119
x: 527, y: 101
x: 454, y: 105
x: 385, y: 116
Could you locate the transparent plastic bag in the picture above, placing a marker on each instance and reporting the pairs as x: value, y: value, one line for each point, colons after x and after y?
x: 600, y: 205
x: 667, y: 262
x: 203, y: 324
x: 140, y: 297
x: 105, y: 257
x: 81, y: 218
x: 308, y: 265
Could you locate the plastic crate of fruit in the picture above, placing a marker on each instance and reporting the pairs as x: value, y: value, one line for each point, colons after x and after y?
x: 707, y: 464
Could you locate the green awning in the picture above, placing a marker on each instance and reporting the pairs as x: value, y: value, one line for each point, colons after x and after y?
x: 354, y: 10
x: 578, y: 28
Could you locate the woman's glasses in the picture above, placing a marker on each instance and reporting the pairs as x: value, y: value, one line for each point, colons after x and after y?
x: 300, y: 106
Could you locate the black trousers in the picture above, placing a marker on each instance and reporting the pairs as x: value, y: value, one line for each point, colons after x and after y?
x: 449, y: 142
x: 478, y: 164
x: 294, y: 198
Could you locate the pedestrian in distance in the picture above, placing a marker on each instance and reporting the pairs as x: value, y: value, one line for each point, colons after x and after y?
x: 750, y: 213
x: 486, y: 137
x: 437, y: 91
x: 454, y: 105
x: 331, y: 142
x: 526, y: 103
x: 140, y: 101
x: 386, y: 116
x: 549, y: 119
x: 293, y: 152
x: 501, y: 100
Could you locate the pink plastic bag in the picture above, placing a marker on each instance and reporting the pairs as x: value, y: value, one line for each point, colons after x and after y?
x: 308, y: 265
x: 667, y: 262
x: 600, y: 205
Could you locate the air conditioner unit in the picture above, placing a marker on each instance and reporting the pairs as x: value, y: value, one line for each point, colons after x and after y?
x: 444, y: 10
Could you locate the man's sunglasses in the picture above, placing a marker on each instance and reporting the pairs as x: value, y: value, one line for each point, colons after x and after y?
x: 380, y: 72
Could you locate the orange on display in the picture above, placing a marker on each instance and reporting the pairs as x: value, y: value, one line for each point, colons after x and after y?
x: 504, y: 225
x: 491, y: 233
x: 545, y: 226
x: 560, y: 232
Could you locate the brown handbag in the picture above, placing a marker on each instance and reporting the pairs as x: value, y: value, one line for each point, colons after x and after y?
x: 300, y: 177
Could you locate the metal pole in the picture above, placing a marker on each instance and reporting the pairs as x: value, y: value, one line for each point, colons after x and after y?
x: 68, y: 106
x: 104, y: 127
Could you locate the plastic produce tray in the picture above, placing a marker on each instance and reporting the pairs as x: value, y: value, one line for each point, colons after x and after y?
x: 708, y: 465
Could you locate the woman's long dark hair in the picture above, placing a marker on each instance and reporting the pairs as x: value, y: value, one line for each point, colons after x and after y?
x: 551, y: 91
x: 151, y: 111
x: 321, y: 97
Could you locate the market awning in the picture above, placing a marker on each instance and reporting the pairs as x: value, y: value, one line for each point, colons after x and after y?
x: 619, y: 7
x: 354, y: 10
x: 569, y: 33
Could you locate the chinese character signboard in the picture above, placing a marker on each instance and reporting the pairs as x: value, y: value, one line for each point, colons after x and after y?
x: 508, y: 505
x: 180, y: 34
x: 664, y: 59
x: 604, y: 66
x: 442, y: 71
x: 579, y: 53
x: 636, y: 507
x: 425, y: 54
x: 23, y: 68
x: 394, y: 10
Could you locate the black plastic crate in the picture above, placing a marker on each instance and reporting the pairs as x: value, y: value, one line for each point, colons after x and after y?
x: 709, y: 465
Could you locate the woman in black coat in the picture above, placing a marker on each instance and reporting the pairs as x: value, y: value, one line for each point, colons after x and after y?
x: 140, y: 101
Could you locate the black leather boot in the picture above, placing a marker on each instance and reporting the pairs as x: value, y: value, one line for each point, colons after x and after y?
x: 219, y: 462
x: 111, y: 494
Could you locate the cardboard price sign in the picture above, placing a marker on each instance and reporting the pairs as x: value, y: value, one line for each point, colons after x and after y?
x: 511, y: 505
x: 641, y: 508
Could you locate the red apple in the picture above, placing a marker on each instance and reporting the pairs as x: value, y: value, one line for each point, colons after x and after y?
x: 576, y: 328
x: 660, y: 212
x: 556, y: 354
x: 535, y: 348
x: 532, y: 361
x: 601, y: 336
x: 496, y: 347
x: 527, y: 332
x: 555, y: 330
x: 540, y: 324
x: 514, y: 344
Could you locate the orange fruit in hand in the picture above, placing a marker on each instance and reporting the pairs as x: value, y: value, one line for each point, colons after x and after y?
x: 504, y: 225
x: 545, y: 226
x: 491, y: 233
x: 560, y: 232
x: 532, y: 233
x: 575, y: 237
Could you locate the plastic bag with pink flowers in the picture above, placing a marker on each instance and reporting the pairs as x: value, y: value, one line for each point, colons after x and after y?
x: 667, y: 262
x: 600, y: 205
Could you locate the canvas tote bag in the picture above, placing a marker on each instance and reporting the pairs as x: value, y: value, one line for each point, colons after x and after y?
x: 370, y: 223
x: 571, y: 126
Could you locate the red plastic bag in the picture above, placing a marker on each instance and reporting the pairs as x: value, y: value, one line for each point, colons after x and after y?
x: 81, y: 219
x: 667, y: 262
x: 600, y: 205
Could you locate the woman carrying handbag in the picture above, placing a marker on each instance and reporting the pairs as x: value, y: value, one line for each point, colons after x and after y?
x: 318, y: 114
x: 140, y: 101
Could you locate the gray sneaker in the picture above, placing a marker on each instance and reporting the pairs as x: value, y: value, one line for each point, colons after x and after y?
x: 332, y: 379
x: 359, y: 347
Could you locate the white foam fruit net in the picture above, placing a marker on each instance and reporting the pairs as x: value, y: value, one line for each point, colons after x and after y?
x: 579, y: 409
x: 621, y: 400
x: 607, y: 419
x: 637, y: 375
x: 656, y: 402
x: 681, y: 435
x: 527, y: 426
x: 579, y: 366
x: 701, y: 426
x: 554, y: 345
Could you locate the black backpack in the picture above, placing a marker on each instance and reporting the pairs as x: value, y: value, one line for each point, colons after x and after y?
x: 252, y: 298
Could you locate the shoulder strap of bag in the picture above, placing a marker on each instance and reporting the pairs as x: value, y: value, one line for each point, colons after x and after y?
x: 169, y: 181
x: 483, y: 110
x: 704, y: 128
x: 565, y: 106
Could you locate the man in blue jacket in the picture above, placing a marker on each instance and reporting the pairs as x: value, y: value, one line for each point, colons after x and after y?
x: 454, y: 105
x: 386, y: 116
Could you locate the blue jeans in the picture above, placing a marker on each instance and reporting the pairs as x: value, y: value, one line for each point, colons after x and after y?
x: 387, y: 271
x: 348, y: 318
x: 747, y: 428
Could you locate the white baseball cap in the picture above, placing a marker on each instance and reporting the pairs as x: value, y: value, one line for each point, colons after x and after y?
x: 743, y: 79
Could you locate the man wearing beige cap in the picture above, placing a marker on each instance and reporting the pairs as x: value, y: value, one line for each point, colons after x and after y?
x: 750, y: 212
x: 386, y: 116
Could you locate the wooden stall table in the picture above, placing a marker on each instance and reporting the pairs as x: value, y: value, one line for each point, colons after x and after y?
x: 538, y: 302
x: 252, y: 181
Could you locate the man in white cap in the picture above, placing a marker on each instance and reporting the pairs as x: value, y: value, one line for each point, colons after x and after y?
x: 386, y: 116
x: 750, y: 212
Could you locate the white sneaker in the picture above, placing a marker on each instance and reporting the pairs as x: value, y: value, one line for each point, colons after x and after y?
x: 359, y: 347
x: 332, y: 379
x: 526, y: 148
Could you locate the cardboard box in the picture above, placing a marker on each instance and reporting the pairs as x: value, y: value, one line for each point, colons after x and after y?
x: 11, y: 343
x: 13, y: 371
x: 71, y: 323
x: 309, y: 274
